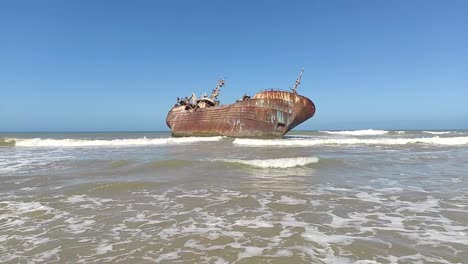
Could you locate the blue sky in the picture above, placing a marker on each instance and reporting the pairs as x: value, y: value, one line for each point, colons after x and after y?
x: 119, y: 65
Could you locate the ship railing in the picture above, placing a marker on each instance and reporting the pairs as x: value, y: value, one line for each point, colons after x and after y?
x: 274, y: 90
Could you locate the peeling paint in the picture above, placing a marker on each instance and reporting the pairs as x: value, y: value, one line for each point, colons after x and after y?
x: 266, y: 114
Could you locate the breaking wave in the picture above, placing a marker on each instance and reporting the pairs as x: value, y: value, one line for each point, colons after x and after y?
x: 450, y: 141
x: 366, y: 132
x: 281, y: 163
x: 5, y: 142
x: 40, y: 142
x: 437, y: 132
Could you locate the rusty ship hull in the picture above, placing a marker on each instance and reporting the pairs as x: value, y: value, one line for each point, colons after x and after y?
x: 269, y: 114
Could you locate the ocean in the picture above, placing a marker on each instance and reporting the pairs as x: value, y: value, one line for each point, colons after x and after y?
x: 366, y: 196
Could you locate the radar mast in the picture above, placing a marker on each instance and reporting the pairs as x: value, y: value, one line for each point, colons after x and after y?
x: 298, y: 81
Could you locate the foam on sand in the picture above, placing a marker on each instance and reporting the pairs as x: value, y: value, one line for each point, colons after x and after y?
x: 277, y: 163
x: 365, y: 132
x: 40, y: 142
x: 448, y: 141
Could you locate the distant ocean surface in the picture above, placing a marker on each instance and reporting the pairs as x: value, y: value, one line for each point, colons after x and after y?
x: 366, y: 196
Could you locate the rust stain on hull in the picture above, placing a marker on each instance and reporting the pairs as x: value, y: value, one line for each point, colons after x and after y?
x: 267, y: 114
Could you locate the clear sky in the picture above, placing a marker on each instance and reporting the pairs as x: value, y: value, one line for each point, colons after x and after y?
x: 119, y: 65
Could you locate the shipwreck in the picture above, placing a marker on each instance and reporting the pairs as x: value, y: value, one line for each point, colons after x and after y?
x: 267, y: 114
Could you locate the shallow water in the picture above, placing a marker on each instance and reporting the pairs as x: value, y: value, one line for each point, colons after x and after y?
x: 368, y: 196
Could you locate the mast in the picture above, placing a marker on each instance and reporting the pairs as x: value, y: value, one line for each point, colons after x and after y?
x: 194, y: 99
x: 215, y: 93
x: 298, y: 81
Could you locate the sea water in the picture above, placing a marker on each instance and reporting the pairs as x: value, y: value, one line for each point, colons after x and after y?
x: 367, y: 196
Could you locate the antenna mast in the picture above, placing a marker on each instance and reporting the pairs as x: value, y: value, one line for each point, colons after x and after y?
x: 298, y: 81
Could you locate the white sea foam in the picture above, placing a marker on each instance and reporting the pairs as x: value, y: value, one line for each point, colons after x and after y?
x: 340, y: 221
x: 87, y: 202
x: 48, y: 256
x: 277, y: 163
x: 23, y: 208
x: 291, y: 200
x: 253, y: 223
x: 104, y: 248
x: 365, y: 132
x: 449, y: 141
x: 168, y: 256
x: 78, y: 225
x: 437, y: 132
x: 40, y: 142
x: 250, y: 252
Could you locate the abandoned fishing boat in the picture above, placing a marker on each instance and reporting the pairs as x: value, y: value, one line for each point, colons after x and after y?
x: 268, y: 114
